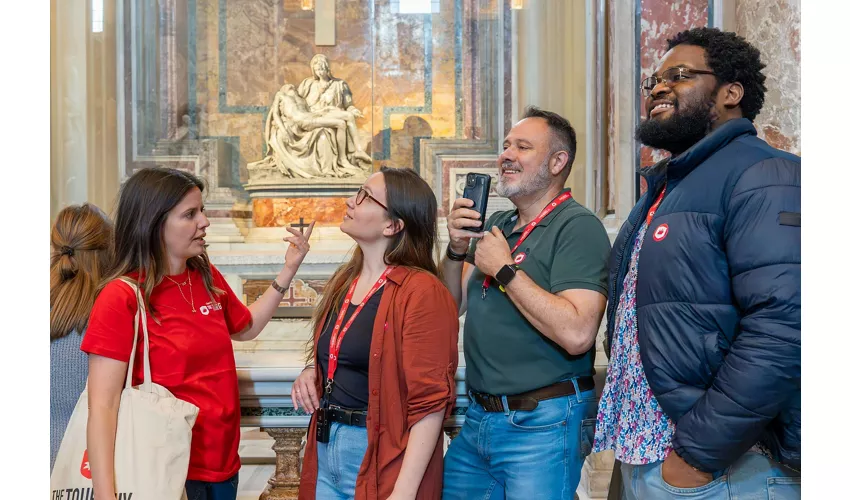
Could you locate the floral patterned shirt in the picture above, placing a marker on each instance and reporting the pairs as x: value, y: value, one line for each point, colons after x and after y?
x: 630, y: 420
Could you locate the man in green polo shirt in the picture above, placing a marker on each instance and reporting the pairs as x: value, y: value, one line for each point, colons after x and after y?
x: 533, y: 286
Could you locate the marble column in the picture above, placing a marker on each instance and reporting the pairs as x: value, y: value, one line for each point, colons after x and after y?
x: 283, y: 485
x: 549, y: 50
x: 68, y: 140
x: 83, y: 142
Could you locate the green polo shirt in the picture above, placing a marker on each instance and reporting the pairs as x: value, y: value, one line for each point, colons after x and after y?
x: 504, y: 353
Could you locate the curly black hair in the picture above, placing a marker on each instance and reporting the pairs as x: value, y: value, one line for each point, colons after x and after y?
x: 732, y: 59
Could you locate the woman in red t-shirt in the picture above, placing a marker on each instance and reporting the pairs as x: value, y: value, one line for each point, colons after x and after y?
x: 193, y: 316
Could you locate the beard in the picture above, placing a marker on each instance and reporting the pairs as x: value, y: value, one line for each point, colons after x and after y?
x: 682, y: 129
x: 540, y: 181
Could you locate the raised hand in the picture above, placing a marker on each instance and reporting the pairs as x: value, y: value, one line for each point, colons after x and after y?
x: 460, y: 218
x: 299, y: 245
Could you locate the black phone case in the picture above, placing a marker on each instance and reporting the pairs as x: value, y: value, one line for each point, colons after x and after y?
x: 477, y: 189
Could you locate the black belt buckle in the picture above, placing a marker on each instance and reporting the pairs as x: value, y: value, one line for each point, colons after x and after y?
x: 495, y: 402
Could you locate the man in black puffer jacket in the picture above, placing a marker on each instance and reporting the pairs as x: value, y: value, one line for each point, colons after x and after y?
x: 702, y: 396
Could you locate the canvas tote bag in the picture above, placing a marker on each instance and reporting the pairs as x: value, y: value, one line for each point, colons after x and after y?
x: 152, y: 442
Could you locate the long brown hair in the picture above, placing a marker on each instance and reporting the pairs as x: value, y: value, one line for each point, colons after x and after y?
x: 143, y: 206
x: 411, y: 200
x: 80, y: 254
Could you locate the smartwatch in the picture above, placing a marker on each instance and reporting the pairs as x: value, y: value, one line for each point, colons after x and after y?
x: 506, y: 274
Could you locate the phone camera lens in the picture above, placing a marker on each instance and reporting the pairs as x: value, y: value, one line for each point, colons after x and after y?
x: 470, y: 181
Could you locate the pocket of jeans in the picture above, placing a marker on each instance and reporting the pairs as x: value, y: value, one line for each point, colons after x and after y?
x: 588, y: 429
x: 784, y: 488
x: 549, y: 414
x: 689, y: 491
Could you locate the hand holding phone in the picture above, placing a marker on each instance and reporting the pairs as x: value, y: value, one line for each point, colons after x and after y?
x: 466, y: 220
x: 477, y: 189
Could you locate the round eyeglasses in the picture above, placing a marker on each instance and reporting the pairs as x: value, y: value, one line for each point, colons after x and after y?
x: 670, y: 78
x: 362, y: 194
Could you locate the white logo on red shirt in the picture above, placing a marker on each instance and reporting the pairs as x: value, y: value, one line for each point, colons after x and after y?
x: 661, y: 232
x: 211, y: 306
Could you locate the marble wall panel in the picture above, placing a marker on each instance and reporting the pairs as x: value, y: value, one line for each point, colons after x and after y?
x: 507, y: 62
x: 611, y: 115
x: 447, y: 178
x: 470, y: 78
x: 301, y: 293
x: 420, y: 71
x: 773, y: 26
x: 280, y: 212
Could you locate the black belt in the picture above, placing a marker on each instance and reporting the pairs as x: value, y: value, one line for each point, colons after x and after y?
x: 356, y: 418
x: 527, y: 401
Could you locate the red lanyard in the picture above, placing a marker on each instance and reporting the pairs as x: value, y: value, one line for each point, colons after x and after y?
x: 337, y: 334
x: 654, y: 206
x: 528, y: 229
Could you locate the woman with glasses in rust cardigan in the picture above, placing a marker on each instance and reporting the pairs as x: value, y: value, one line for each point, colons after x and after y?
x: 384, y: 353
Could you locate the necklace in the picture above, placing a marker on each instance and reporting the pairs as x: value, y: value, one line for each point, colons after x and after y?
x: 176, y: 283
x: 179, y: 289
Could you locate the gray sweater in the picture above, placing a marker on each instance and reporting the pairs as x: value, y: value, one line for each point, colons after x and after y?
x: 69, y: 369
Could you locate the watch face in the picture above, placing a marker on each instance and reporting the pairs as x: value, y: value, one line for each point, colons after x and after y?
x: 505, y: 275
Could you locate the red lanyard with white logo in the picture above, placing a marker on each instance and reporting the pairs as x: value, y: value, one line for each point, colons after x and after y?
x: 337, y: 335
x: 525, y: 232
x: 654, y: 206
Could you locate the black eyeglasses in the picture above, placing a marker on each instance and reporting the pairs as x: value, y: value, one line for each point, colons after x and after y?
x: 362, y: 194
x: 671, y: 77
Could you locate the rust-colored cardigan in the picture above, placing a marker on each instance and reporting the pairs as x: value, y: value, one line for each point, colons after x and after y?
x: 411, y: 375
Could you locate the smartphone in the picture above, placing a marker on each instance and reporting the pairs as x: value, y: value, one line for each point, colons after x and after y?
x: 477, y: 189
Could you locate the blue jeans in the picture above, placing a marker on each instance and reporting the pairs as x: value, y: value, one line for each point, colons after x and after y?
x: 751, y: 477
x: 521, y: 454
x: 205, y: 490
x: 339, y: 461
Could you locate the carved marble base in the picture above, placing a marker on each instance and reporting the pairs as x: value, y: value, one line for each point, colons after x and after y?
x: 596, y: 474
x: 283, y: 485
x: 295, y: 188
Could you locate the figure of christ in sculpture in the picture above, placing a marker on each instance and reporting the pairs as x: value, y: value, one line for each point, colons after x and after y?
x: 295, y: 109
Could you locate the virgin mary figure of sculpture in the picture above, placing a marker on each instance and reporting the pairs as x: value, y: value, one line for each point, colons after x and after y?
x: 310, y: 132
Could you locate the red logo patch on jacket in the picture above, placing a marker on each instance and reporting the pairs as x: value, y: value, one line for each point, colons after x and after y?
x: 660, y: 232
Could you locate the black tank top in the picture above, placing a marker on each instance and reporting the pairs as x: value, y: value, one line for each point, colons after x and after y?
x: 351, y: 381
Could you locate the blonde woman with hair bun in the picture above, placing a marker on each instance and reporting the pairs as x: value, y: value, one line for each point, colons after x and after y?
x: 80, y: 255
